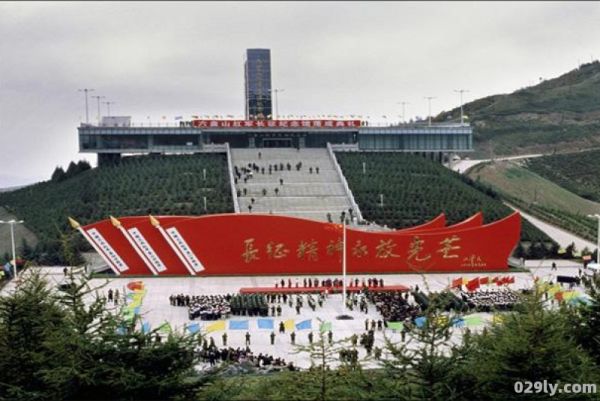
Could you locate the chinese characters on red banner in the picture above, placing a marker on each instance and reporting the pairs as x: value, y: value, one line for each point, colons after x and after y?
x: 276, y: 123
x: 386, y: 248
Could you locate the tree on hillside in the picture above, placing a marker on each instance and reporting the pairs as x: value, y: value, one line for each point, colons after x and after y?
x: 58, y: 175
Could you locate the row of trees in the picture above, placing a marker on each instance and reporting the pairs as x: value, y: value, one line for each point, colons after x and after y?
x: 415, y: 190
x: 577, y: 172
x: 169, y: 185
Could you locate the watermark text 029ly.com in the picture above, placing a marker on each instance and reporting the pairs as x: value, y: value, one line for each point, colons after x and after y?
x: 527, y: 387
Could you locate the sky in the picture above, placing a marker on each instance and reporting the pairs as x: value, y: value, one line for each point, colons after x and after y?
x: 155, y: 59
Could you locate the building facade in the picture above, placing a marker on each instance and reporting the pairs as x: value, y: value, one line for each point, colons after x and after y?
x: 190, y: 137
x: 257, y: 80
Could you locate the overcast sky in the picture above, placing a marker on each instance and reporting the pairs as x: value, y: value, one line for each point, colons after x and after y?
x: 169, y: 59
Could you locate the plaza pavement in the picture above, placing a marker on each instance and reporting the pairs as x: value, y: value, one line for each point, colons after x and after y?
x: 156, y: 308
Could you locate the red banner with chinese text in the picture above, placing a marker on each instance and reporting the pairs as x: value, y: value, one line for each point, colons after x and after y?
x: 276, y: 123
x: 255, y: 244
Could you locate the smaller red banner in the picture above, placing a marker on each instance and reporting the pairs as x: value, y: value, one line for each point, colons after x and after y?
x: 276, y: 123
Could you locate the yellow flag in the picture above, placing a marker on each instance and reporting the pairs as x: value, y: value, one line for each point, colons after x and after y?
x: 497, y: 318
x: 216, y: 326
x: 289, y: 325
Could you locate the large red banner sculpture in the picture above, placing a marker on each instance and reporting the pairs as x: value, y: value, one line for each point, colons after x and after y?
x: 255, y: 244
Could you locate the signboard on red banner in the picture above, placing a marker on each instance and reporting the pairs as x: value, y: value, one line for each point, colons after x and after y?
x: 276, y: 123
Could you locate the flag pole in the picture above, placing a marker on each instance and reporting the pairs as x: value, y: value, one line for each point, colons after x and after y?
x: 345, y: 315
x: 344, y: 266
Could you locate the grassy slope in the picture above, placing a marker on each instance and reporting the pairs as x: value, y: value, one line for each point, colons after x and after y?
x: 510, y: 177
x: 538, y: 196
x: 577, y: 172
x: 557, y: 114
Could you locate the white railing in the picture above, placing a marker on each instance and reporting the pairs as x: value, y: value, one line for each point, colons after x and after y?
x: 344, y: 183
x: 236, y: 203
x: 216, y: 148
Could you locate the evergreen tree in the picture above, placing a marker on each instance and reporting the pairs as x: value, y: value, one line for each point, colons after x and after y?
x: 422, y: 368
x: 533, y: 344
x: 58, y: 175
x: 587, y: 316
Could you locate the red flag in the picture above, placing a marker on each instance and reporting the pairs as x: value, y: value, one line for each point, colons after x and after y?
x: 495, y: 279
x: 473, y: 284
x: 484, y: 280
x: 511, y: 280
x: 457, y: 282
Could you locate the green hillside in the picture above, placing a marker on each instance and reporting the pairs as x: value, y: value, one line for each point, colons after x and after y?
x: 416, y: 190
x: 168, y: 185
x: 577, y: 172
x: 539, y: 196
x: 556, y: 115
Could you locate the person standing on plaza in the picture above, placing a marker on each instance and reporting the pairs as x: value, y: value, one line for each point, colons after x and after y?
x: 247, y: 338
x: 293, y: 337
x: 224, y: 339
x: 272, y: 338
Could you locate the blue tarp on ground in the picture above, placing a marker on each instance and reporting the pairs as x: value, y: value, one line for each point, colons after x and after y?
x: 266, y: 324
x: 193, y: 327
x: 238, y: 325
x: 304, y: 325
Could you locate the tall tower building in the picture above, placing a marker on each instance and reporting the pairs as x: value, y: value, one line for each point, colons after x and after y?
x: 257, y: 79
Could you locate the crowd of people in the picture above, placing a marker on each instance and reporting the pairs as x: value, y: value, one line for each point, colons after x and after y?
x: 246, y: 172
x: 206, y: 307
x: 249, y: 305
x: 394, y: 306
x: 330, y: 283
x: 213, y: 355
x: 488, y: 300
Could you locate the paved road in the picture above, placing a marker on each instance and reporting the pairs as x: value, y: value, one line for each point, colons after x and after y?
x: 463, y: 165
x: 562, y: 237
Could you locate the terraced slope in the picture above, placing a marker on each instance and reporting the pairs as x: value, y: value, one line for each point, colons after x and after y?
x: 415, y: 190
x: 168, y: 185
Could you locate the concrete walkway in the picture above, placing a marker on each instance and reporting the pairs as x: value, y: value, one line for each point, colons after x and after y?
x: 562, y: 237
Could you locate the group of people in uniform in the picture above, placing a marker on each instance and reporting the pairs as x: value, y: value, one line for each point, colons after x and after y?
x: 488, y: 300
x: 394, y: 306
x: 206, y: 307
x: 330, y: 283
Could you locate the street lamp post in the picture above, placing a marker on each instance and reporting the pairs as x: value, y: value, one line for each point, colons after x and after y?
x: 98, y: 99
x: 87, y: 115
x: 108, y: 107
x: 403, y: 115
x: 276, y: 91
x: 461, y: 91
x: 429, y: 100
x: 597, y: 216
x: 12, y: 237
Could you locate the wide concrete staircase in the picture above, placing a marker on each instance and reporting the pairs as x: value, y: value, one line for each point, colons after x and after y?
x: 302, y: 194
